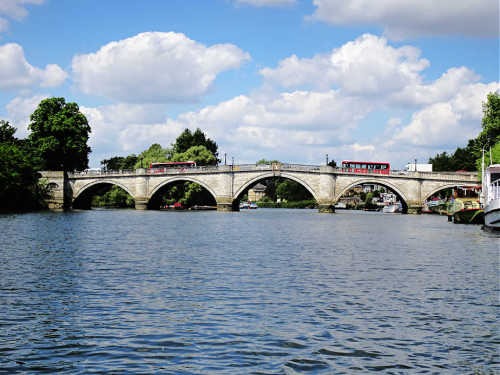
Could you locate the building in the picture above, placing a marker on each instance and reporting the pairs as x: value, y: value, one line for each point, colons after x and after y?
x: 256, y: 193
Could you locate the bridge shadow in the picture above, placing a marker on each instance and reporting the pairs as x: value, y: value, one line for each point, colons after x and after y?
x: 181, y: 194
x: 371, y: 196
x: 275, y: 192
x: 103, y: 195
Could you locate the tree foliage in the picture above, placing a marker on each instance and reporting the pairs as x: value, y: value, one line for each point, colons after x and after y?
x: 117, y: 163
x: 59, y: 134
x: 114, y: 197
x: 199, y: 154
x: 155, y: 153
x: 19, y: 189
x: 186, y: 140
x: 7, y: 132
x: 490, y: 135
x: 267, y: 162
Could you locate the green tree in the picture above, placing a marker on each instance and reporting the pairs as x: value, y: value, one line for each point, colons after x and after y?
x: 59, y: 135
x: 187, y: 139
x: 442, y: 162
x: 198, y: 154
x: 19, y: 188
x: 117, y: 163
x: 291, y: 191
x: 332, y: 163
x: 7, y: 132
x: 155, y: 153
x: 490, y: 135
x: 267, y: 162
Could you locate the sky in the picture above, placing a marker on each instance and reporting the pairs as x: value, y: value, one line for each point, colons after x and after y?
x: 288, y: 80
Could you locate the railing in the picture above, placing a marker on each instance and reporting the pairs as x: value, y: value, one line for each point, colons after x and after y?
x: 448, y: 176
x: 494, y: 190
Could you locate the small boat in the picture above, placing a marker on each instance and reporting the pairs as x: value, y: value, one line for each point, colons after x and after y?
x: 203, y: 208
x: 248, y: 206
x: 491, y: 196
x: 392, y: 208
x: 465, y: 211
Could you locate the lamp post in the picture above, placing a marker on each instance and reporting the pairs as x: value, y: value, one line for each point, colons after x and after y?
x: 225, y: 163
x: 326, y: 159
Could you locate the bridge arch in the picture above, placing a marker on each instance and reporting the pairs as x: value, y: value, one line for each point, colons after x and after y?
x: 384, y: 183
x: 427, y: 195
x: 84, y: 188
x: 181, y: 179
x: 265, y: 176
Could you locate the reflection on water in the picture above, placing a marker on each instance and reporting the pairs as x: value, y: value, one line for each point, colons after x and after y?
x: 262, y: 292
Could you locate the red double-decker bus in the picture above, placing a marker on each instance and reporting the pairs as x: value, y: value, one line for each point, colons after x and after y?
x: 165, y: 166
x: 376, y: 167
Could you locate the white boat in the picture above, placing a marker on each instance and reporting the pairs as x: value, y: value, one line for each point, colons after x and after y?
x: 491, y: 196
x: 248, y: 206
x: 391, y: 208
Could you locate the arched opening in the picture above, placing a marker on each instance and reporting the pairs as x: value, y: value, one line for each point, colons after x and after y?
x: 451, y: 198
x: 103, y: 195
x: 275, y: 192
x: 182, y: 195
x: 372, y: 196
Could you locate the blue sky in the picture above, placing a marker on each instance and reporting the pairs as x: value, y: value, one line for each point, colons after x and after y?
x: 278, y: 79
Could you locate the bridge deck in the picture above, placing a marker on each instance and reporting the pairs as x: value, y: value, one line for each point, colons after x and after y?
x: 443, y: 176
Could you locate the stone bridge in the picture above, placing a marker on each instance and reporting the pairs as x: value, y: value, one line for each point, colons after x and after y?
x: 227, y: 183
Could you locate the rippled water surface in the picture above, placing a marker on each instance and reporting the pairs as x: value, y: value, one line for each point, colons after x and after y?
x: 259, y: 292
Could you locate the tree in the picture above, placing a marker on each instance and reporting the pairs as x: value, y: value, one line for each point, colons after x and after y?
x: 199, y: 154
x: 186, y: 140
x: 59, y: 135
x: 490, y: 135
x: 291, y: 191
x: 267, y: 162
x: 7, y: 132
x: 155, y: 153
x: 117, y: 163
x: 19, y: 189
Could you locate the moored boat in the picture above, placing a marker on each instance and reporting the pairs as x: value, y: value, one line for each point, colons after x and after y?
x: 465, y: 211
x: 248, y: 206
x: 491, y: 196
x: 392, y: 208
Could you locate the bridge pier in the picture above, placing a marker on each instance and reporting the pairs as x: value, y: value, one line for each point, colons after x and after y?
x: 414, y: 208
x: 141, y: 186
x: 58, y: 195
x: 326, y: 208
x: 225, y: 204
x: 141, y: 204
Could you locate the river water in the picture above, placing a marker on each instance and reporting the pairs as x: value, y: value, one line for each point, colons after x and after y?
x: 257, y: 292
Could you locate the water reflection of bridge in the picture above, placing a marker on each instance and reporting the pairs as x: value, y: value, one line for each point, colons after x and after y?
x: 227, y: 183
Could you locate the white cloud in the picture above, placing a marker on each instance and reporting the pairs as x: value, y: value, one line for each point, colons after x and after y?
x: 265, y: 3
x: 408, y: 18
x: 17, y: 73
x: 14, y: 9
x: 301, y: 121
x: 365, y: 66
x: 19, y: 111
x: 444, y: 88
x: 446, y: 124
x: 154, y: 67
x: 364, y: 100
